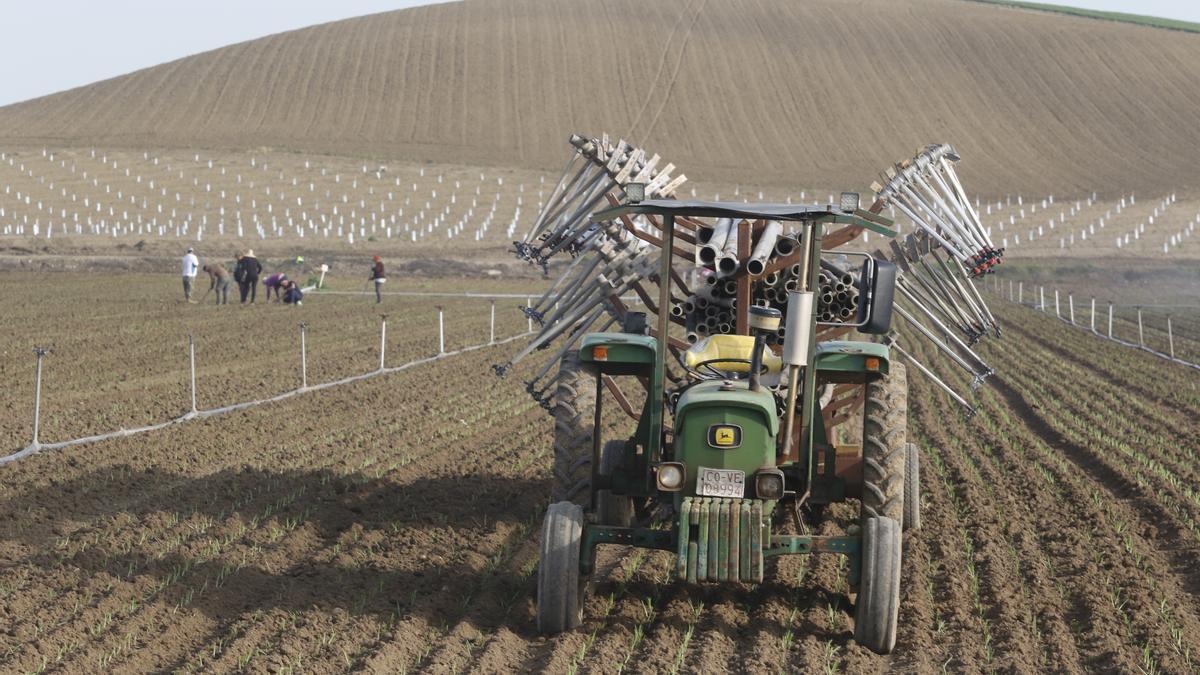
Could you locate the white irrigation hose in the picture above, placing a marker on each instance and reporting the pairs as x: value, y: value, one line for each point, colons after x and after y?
x: 33, y: 449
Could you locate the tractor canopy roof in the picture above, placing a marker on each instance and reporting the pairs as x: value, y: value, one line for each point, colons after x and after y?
x: 828, y: 213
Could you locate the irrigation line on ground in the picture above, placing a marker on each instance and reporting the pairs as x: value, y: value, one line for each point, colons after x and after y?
x: 1033, y: 305
x: 35, y: 448
x: 433, y: 294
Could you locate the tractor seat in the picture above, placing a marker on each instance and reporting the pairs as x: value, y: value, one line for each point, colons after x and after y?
x: 730, y: 347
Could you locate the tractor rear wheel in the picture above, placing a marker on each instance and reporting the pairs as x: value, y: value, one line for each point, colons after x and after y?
x: 884, y: 446
x: 560, y: 587
x: 613, y: 509
x: 912, y: 487
x: 574, y: 408
x: 877, y: 607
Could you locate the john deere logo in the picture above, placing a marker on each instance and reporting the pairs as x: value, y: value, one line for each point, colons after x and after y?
x: 724, y: 436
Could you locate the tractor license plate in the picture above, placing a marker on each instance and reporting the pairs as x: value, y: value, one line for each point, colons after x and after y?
x: 721, y: 483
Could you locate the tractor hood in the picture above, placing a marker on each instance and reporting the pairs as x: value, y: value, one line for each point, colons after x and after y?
x: 728, y: 394
x: 724, y: 429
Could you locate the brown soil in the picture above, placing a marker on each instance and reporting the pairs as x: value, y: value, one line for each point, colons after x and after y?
x: 391, y: 525
x: 815, y: 93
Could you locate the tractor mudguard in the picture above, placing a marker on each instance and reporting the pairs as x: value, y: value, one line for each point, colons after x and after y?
x: 618, y: 353
x: 847, y: 356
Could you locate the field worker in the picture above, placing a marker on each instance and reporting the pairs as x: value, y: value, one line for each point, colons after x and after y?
x: 219, y: 281
x: 247, y: 272
x: 237, y: 270
x: 378, y: 277
x: 191, y: 266
x: 274, y: 282
x: 292, y: 295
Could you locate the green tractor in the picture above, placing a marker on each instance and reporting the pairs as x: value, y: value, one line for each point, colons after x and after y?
x: 735, y: 439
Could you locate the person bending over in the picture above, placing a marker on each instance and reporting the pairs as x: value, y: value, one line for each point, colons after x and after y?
x: 274, y: 282
x: 219, y: 281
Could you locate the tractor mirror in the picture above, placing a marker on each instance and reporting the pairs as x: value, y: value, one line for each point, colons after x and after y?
x: 876, y: 288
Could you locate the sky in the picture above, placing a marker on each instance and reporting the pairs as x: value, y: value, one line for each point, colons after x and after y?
x: 51, y: 45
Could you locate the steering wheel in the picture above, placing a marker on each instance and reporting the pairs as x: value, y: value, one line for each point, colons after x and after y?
x: 710, y: 368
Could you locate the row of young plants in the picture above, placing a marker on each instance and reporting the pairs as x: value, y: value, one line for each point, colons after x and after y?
x: 282, y: 516
x: 1037, y: 372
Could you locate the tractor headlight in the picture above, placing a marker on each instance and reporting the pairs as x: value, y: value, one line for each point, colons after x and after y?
x: 768, y: 484
x: 671, y: 476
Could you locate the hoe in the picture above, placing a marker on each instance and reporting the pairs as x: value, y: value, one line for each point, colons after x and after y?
x: 744, y: 379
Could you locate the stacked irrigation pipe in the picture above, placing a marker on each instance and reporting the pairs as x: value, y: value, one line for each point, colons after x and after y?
x: 607, y: 260
x: 938, y: 262
x: 927, y: 190
x: 710, y: 309
x: 838, y: 287
x: 596, y: 168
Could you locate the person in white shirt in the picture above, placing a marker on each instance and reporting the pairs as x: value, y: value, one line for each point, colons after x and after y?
x: 191, y: 266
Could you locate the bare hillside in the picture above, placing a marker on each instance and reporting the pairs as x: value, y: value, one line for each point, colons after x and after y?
x: 818, y: 93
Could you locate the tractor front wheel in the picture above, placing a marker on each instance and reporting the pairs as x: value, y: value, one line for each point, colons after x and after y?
x: 574, y: 408
x: 885, y: 427
x: 912, y: 487
x: 560, y: 586
x: 877, y: 607
x: 613, y: 509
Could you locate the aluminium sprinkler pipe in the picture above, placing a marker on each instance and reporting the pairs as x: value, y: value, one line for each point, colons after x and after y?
x: 562, y: 199
x: 582, y: 201
x: 963, y: 194
x: 928, y: 373
x: 935, y: 298
x: 1170, y: 337
x: 554, y: 194
x: 383, y: 335
x: 192, y: 360
x: 764, y: 248
x: 441, y: 334
x: 938, y: 343
x: 37, y: 394
x: 903, y: 288
x: 303, y: 357
x: 940, y: 214
x: 562, y: 278
x: 948, y: 294
x: 957, y: 282
x: 921, y: 222
x: 964, y: 225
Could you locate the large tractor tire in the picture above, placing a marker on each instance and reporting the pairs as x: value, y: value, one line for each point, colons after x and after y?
x: 613, y: 509
x: 560, y: 586
x: 912, y: 487
x: 885, y: 446
x: 574, y: 412
x: 877, y: 607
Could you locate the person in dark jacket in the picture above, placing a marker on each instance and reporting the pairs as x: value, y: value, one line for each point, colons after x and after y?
x: 248, y: 269
x: 292, y: 295
x: 378, y: 276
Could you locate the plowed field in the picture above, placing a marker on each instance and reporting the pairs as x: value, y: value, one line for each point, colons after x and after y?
x: 391, y: 525
x: 819, y: 93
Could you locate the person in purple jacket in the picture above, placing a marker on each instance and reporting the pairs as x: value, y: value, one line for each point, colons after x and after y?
x: 275, y: 283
